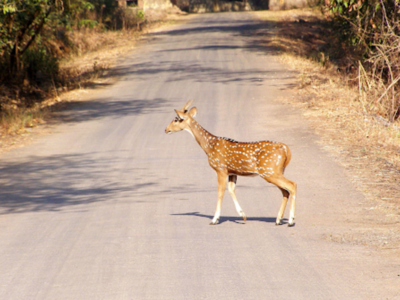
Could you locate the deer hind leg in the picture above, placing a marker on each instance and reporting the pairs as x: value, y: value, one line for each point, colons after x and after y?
x: 231, y: 188
x: 291, y: 188
x: 222, y: 178
x: 285, y: 194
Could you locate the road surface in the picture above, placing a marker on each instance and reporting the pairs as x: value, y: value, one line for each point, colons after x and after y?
x: 110, y: 207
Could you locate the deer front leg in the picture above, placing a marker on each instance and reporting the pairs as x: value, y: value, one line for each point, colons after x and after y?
x: 231, y: 188
x: 221, y: 190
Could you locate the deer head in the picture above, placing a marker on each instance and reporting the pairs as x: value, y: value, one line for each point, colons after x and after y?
x: 183, y: 119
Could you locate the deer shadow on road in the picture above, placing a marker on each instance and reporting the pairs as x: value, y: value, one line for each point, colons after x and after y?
x: 237, y: 220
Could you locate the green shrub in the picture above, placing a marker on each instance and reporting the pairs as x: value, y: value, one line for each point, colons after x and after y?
x: 40, y: 65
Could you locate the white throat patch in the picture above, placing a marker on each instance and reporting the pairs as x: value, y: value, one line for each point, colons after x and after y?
x: 186, y: 129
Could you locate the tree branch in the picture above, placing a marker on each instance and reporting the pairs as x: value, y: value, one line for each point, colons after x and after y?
x: 38, y: 29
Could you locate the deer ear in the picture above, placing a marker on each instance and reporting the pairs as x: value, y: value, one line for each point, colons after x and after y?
x: 193, y: 112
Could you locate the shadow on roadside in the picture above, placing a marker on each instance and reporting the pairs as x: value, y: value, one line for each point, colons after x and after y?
x: 75, y: 181
x: 81, y: 111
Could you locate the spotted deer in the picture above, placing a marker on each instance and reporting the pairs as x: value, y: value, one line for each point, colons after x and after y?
x: 230, y: 158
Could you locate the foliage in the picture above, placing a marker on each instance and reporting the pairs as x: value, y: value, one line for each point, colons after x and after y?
x: 21, y: 23
x: 40, y: 64
x: 372, y: 27
x: 129, y: 17
x: 365, y: 22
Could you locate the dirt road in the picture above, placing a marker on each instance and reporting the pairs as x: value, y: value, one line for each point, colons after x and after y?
x: 110, y: 207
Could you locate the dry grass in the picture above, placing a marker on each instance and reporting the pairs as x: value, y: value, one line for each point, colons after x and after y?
x: 365, y: 144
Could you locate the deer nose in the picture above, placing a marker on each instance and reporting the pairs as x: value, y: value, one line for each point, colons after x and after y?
x: 166, y: 130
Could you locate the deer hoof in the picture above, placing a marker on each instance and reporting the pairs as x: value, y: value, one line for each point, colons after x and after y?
x: 278, y: 222
x: 243, y: 215
x: 291, y: 224
x: 214, y: 222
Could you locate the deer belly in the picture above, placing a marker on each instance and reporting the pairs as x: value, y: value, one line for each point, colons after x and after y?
x: 243, y: 174
x: 242, y: 168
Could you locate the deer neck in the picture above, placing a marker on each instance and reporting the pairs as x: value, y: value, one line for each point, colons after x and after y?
x: 202, y: 136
